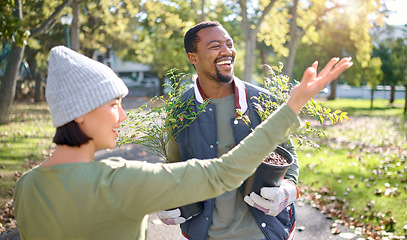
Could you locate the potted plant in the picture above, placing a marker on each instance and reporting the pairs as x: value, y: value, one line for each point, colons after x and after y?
x: 273, y: 168
x: 153, y: 127
x: 270, y: 173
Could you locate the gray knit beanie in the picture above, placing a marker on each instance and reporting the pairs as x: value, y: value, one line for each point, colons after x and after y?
x: 77, y: 85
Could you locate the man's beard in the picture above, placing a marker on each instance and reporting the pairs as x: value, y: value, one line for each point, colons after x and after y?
x: 218, y: 77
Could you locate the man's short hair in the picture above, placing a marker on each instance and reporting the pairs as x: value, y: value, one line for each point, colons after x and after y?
x: 191, y: 38
x: 70, y: 134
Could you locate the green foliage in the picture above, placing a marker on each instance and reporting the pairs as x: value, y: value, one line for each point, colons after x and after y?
x: 12, y: 28
x: 399, y: 58
x: 106, y: 24
x: 373, y: 73
x: 158, y: 30
x: 279, y: 87
x: 275, y: 28
x: 323, y: 51
x: 155, y: 127
x: 384, y: 53
x: 330, y: 28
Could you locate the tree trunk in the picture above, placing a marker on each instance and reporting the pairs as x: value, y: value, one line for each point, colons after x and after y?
x: 332, y: 95
x: 264, y: 61
x: 202, y: 16
x: 75, y: 25
x: 392, y: 92
x: 250, y: 36
x: 32, y: 63
x: 8, y: 85
x: 249, y: 56
x: 39, y: 90
x: 293, y: 44
x: 161, y: 87
x: 405, y: 99
x: 292, y: 52
x: 371, y: 98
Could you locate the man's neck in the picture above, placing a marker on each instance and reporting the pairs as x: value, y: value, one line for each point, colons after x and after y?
x: 214, y: 89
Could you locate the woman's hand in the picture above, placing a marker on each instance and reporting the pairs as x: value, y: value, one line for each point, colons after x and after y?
x: 311, y: 84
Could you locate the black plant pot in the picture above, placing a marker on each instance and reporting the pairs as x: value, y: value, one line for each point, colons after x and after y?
x: 191, y: 210
x: 267, y: 175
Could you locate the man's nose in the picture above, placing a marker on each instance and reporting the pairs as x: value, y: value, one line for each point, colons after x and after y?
x: 225, y: 50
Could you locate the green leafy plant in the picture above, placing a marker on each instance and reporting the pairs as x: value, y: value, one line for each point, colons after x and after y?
x: 279, y: 87
x: 154, y: 127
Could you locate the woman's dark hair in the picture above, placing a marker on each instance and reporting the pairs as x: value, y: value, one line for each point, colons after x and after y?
x: 191, y: 38
x: 70, y: 134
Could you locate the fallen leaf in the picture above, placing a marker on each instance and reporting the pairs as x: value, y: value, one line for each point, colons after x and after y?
x: 335, y: 230
x: 301, y: 228
x: 347, y: 235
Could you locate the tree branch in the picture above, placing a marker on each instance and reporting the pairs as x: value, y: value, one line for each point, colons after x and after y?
x: 264, y: 14
x: 245, y: 20
x: 45, y: 26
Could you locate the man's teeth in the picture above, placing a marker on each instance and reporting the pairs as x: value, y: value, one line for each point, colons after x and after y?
x: 224, y: 62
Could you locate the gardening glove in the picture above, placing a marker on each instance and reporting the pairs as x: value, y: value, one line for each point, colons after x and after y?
x: 274, y: 199
x: 171, y: 217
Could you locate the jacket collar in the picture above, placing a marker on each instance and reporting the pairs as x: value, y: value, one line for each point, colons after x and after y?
x: 241, y: 98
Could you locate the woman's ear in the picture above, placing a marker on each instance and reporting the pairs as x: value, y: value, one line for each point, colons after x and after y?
x: 79, y: 119
x: 192, y: 58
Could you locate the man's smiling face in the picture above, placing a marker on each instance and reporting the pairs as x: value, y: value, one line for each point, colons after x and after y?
x: 215, y: 55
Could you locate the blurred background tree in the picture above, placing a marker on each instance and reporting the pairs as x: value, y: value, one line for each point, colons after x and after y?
x: 295, y: 32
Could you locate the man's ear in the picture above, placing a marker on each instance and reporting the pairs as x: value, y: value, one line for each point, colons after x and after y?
x: 192, y: 58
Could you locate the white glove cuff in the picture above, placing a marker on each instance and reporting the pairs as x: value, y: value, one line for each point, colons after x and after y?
x: 292, y: 190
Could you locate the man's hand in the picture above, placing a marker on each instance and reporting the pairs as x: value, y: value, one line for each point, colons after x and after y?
x: 311, y: 84
x: 171, y: 217
x: 274, y: 199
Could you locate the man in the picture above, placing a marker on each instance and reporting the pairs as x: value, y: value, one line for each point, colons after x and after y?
x: 211, y: 51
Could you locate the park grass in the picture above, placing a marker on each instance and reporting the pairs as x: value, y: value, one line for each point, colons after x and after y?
x: 27, y: 139
x: 361, y: 107
x: 362, y: 165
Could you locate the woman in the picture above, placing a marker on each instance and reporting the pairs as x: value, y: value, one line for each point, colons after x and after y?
x: 70, y: 196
